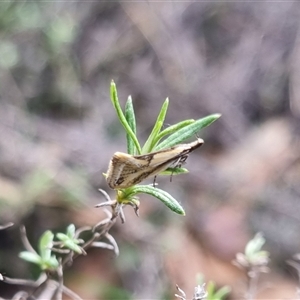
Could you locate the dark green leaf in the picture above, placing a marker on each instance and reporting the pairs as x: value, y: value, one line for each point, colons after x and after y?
x: 172, y: 129
x: 116, y: 104
x: 186, y: 132
x: 156, y: 129
x: 161, y: 195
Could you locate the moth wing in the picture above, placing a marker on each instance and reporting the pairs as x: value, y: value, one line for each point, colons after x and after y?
x: 123, y: 168
x: 162, y: 157
x: 187, y: 148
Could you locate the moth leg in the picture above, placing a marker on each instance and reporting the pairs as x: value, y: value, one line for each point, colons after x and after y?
x: 181, y: 161
x: 178, y: 164
x: 171, y: 176
x: 154, y: 181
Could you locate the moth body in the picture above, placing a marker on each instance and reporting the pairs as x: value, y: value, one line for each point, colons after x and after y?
x: 126, y: 170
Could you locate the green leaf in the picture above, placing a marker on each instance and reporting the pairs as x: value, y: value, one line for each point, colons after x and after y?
x: 30, y: 257
x: 44, y: 260
x: 116, y: 104
x: 156, y: 128
x: 62, y: 237
x: 71, y: 231
x: 174, y: 171
x: 50, y: 264
x: 222, y: 292
x: 161, y: 195
x: 213, y: 294
x: 172, y: 129
x: 45, y: 264
x: 130, y: 117
x: 45, y: 244
x: 68, y: 240
x: 254, y: 245
x: 186, y: 132
x: 72, y: 245
x: 210, y: 288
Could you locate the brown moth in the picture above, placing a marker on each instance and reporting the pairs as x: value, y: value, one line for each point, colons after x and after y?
x: 126, y: 170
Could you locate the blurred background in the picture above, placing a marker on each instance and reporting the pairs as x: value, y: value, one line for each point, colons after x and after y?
x: 58, y: 131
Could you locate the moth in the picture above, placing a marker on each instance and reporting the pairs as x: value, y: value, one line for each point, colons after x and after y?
x: 126, y: 170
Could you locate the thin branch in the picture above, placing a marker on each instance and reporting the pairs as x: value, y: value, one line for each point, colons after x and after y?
x: 82, y: 229
x: 103, y: 245
x: 25, y: 241
x: 59, y: 291
x: 106, y: 196
x: 113, y: 242
x: 26, y: 282
x: 71, y: 294
x: 48, y: 291
x: 101, y: 224
x: 19, y: 296
x: 7, y: 225
x: 108, y: 203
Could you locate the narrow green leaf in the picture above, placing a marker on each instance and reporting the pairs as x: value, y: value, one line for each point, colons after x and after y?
x: 62, y: 237
x: 116, y: 104
x: 172, y: 129
x: 222, y: 292
x: 45, y: 244
x: 130, y: 117
x: 156, y: 128
x: 73, y: 246
x: 161, y: 195
x: 186, y: 132
x: 210, y: 288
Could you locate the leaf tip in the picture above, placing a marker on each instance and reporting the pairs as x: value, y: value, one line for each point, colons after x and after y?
x: 180, y: 211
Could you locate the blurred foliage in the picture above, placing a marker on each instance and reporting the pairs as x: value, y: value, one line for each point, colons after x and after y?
x: 38, y: 184
x: 46, y: 60
x: 113, y: 292
x: 8, y: 55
